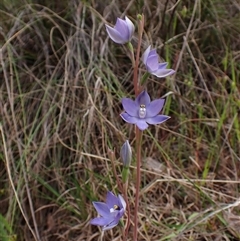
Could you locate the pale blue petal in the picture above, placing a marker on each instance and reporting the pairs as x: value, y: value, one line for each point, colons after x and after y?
x: 157, y: 119
x: 100, y: 221
x: 102, y: 208
x: 145, y: 55
x: 162, y: 65
x: 130, y: 106
x: 128, y: 118
x: 122, y: 201
x: 111, y: 225
x: 122, y: 27
x: 120, y: 214
x: 153, y: 52
x: 131, y: 27
x: 141, y: 124
x: 152, y: 63
x: 161, y: 73
x: 115, y: 220
x: 143, y: 99
x: 115, y: 35
x: 111, y: 200
x: 154, y: 107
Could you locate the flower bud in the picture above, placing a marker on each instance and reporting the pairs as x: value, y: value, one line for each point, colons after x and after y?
x: 122, y: 32
x: 126, y: 154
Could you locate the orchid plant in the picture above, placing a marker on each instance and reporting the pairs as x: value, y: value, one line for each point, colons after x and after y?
x: 140, y: 112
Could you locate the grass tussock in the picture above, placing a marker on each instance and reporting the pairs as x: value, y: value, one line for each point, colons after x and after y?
x: 62, y: 80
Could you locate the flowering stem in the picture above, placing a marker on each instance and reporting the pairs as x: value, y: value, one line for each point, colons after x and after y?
x: 135, y: 73
x: 138, y: 181
x: 137, y: 89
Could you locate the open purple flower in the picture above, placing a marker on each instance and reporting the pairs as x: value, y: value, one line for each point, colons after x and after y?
x: 110, y: 212
x: 122, y: 32
x: 150, y: 59
x: 143, y: 111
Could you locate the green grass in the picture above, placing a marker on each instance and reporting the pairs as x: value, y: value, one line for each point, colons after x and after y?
x: 62, y: 80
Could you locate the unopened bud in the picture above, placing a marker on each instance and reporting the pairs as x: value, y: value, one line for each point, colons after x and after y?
x: 126, y: 154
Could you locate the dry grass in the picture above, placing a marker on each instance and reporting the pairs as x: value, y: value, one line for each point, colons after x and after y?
x: 61, y: 84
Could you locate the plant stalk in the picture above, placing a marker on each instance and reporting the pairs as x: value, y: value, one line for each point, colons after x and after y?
x: 138, y: 181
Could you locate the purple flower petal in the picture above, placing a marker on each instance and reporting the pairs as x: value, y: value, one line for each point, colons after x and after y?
x: 102, y: 208
x: 152, y: 63
x: 131, y: 27
x: 162, y: 65
x: 123, y: 203
x: 145, y: 55
x: 143, y: 99
x: 111, y: 200
x: 111, y: 224
x: 153, y: 52
x: 115, y: 221
x: 119, y: 214
x: 154, y: 107
x: 161, y: 73
x: 141, y: 124
x: 100, y: 221
x: 130, y: 106
x: 128, y: 118
x: 122, y: 28
x: 115, y: 35
x: 157, y: 119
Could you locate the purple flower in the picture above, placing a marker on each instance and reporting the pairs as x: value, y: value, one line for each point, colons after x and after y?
x: 110, y: 212
x: 143, y: 111
x: 122, y: 32
x: 150, y: 59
